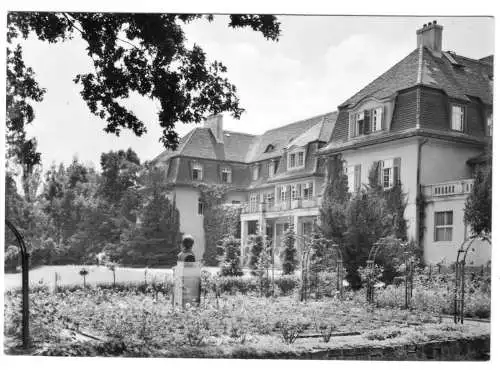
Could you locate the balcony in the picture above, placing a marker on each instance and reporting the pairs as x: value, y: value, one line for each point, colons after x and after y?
x: 266, y: 207
x: 453, y: 188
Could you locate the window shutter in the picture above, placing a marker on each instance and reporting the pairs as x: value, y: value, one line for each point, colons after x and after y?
x: 190, y: 164
x: 299, y: 189
x: 288, y: 192
x: 380, y: 118
x: 357, y: 177
x: 380, y: 169
x: 397, y: 170
x: 366, y: 122
x: 219, y: 172
x: 230, y: 176
x: 352, y: 120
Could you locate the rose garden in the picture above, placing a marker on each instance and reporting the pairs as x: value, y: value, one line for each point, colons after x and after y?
x: 314, y: 303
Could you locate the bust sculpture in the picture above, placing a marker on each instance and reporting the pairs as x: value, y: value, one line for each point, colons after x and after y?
x: 187, y: 255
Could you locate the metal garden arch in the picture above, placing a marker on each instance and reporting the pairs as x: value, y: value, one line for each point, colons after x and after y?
x: 25, y: 284
x: 459, y: 298
x: 408, y: 274
x: 306, y: 266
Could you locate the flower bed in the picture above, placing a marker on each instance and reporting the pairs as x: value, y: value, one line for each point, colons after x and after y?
x: 145, y: 324
x: 436, y: 295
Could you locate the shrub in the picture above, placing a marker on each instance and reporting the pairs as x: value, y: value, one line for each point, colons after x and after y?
x: 290, y: 330
x: 256, y: 245
x: 287, y: 284
x: 289, y: 252
x: 230, y: 260
x: 384, y: 333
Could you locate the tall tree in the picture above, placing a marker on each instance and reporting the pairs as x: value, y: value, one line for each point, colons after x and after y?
x: 478, y: 206
x: 142, y: 53
x: 120, y: 171
x: 335, y: 199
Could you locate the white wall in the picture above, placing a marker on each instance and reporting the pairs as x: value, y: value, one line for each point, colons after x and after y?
x: 190, y: 222
x: 405, y: 149
x: 444, y: 161
x: 436, y: 251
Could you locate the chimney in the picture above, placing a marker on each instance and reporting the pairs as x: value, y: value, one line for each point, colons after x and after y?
x: 431, y: 36
x: 214, y: 123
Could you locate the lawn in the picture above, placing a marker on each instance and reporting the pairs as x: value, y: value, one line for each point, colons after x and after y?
x: 111, y: 322
x: 97, y: 275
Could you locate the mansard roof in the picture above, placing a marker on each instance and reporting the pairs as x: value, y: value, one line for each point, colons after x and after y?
x: 459, y: 77
x: 247, y: 148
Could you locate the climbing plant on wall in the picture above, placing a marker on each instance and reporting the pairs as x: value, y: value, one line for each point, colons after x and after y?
x: 219, y: 219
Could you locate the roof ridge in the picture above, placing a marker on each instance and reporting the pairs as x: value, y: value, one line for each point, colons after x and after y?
x: 380, y: 77
x: 297, y: 122
x: 240, y: 133
x: 471, y: 59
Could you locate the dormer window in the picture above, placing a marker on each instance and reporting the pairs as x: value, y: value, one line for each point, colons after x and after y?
x: 197, y: 171
x: 226, y: 175
x: 271, y: 168
x: 269, y: 148
x: 255, y: 173
x: 296, y: 159
x: 489, y: 124
x: 457, y: 117
x: 366, y: 122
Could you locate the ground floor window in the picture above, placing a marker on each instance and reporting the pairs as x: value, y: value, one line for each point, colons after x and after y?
x: 443, y: 226
x: 200, y: 207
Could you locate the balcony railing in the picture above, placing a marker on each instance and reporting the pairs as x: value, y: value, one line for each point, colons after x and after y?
x: 301, y: 203
x: 457, y: 187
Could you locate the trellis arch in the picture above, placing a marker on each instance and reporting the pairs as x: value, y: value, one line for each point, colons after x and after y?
x: 25, y: 284
x: 459, y: 297
x: 408, y: 261
x: 306, y: 266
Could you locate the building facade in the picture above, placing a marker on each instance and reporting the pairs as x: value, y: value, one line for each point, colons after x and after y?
x: 424, y: 123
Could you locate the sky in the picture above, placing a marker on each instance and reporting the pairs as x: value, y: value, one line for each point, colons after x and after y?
x: 317, y: 64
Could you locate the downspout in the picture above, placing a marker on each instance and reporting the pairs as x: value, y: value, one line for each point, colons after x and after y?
x: 419, y: 190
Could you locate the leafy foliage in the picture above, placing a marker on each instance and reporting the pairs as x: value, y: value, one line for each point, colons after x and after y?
x: 141, y: 53
x: 357, y: 222
x: 289, y: 261
x: 256, y: 244
x: 230, y: 260
x: 478, y: 206
x: 219, y: 220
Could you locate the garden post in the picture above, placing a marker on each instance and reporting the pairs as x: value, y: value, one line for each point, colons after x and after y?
x: 26, y: 309
x: 25, y: 285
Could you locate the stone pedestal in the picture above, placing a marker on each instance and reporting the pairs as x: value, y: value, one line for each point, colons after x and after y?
x: 187, y: 283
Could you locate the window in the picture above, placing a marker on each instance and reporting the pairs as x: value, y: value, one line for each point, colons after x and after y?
x: 387, y: 173
x: 349, y: 171
x: 365, y: 122
x: 235, y: 202
x: 443, y: 226
x: 283, y: 193
x: 457, y: 117
x: 270, y: 198
x: 360, y: 123
x: 300, y: 161
x: 253, y: 199
x: 376, y: 119
x: 226, y: 175
x: 489, y: 125
x: 200, y: 207
x: 197, y: 171
x: 307, y: 191
x: 295, y: 192
x: 255, y: 173
x: 271, y: 168
x: 296, y: 159
x: 269, y: 148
